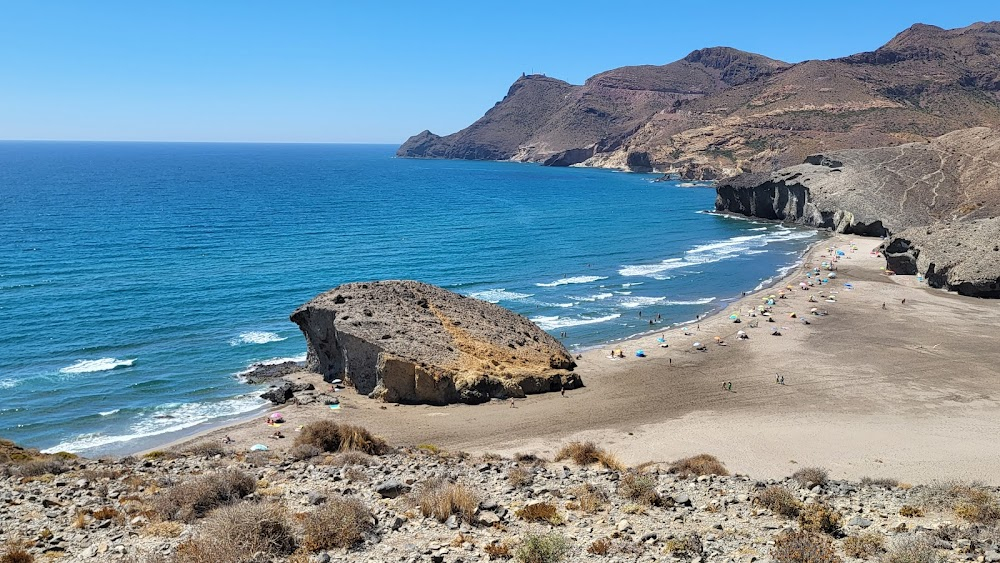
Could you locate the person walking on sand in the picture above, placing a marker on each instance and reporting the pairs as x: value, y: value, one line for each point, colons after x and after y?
x: 883, y: 306
x: 730, y: 386
x: 512, y: 402
x: 777, y: 378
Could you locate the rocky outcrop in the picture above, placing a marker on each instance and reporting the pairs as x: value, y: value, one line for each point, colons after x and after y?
x: 937, y: 199
x: 410, y: 342
x: 962, y: 257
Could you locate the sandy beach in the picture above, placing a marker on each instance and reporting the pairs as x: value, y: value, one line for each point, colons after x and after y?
x: 908, y: 391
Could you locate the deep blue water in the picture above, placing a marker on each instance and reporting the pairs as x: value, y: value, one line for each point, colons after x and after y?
x: 138, y: 279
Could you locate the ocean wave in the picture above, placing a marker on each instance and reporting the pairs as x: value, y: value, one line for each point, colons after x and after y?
x: 702, y: 301
x: 109, y: 413
x: 498, y: 295
x: 271, y: 362
x: 640, y: 301
x: 573, y: 280
x: 590, y: 298
x: 162, y: 420
x: 9, y: 383
x: 632, y: 283
x: 102, y: 364
x: 563, y: 305
x: 552, y: 323
x: 716, y: 251
x: 256, y: 337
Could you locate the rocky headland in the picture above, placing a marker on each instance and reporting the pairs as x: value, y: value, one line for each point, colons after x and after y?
x: 410, y: 342
x: 719, y: 111
x: 936, y: 201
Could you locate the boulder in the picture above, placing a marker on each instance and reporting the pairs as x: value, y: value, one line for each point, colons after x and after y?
x: 410, y: 342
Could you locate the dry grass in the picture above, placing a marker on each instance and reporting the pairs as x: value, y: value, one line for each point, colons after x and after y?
x: 548, y: 548
x: 600, y: 546
x: 912, y: 550
x: 340, y: 523
x: 528, y: 458
x: 539, y: 512
x: 883, y: 482
x: 14, y: 553
x: 804, y: 546
x: 820, y: 518
x: 303, y: 452
x: 165, y: 529
x: 498, y: 550
x: 440, y: 499
x: 587, y: 453
x: 329, y: 436
x: 519, y: 477
x: 206, y: 449
x: 972, y: 502
x: 39, y: 467
x: 105, y: 513
x: 702, y: 464
x: 590, y: 498
x: 910, y: 511
x: 231, y: 533
x: 779, y: 500
x: 811, y: 476
x: 639, y: 488
x: 864, y: 546
x: 350, y: 458
x: 194, y: 498
x: 688, y: 547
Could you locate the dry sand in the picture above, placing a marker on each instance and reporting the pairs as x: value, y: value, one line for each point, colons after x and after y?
x: 908, y: 392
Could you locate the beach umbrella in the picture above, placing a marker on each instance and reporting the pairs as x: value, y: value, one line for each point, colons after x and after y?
x: 696, y: 345
x: 336, y: 381
x: 734, y: 317
x: 276, y: 416
x: 258, y: 448
x: 640, y: 353
x: 741, y: 333
x: 792, y: 315
x: 833, y: 275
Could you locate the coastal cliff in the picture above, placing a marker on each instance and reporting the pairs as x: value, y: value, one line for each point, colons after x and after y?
x: 410, y: 342
x: 936, y: 201
x: 719, y: 111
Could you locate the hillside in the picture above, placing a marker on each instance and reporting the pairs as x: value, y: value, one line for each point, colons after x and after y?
x: 720, y: 111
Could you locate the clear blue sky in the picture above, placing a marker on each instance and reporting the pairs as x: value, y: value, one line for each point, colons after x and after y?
x: 357, y: 71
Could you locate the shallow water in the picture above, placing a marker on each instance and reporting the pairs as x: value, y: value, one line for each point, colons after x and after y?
x: 137, y: 280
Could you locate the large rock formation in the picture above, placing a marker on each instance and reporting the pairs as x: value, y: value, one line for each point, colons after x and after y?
x: 936, y: 198
x: 720, y: 111
x: 962, y: 257
x: 410, y: 342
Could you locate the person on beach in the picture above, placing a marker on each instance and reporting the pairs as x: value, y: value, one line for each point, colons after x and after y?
x: 730, y: 385
x: 777, y: 378
x: 883, y: 306
x: 512, y: 402
x: 563, y: 391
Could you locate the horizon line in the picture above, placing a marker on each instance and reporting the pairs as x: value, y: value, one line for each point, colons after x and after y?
x: 198, y: 142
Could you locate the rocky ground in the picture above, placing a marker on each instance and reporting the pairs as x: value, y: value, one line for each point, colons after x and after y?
x: 424, y: 504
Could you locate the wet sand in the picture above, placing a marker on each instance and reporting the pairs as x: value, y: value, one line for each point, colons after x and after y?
x: 909, y: 392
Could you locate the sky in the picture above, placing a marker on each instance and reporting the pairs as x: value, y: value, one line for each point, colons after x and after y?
x: 372, y: 72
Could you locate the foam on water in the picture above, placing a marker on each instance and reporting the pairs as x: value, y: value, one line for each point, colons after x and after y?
x: 102, y: 364
x: 8, y: 383
x: 256, y: 337
x: 573, y: 280
x: 498, y: 295
x: 109, y: 413
x: 552, y: 323
x: 162, y: 420
x: 592, y: 298
x: 702, y: 301
x: 640, y: 301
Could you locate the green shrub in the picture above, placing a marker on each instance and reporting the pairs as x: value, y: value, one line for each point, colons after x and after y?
x: 779, y: 500
x: 548, y: 548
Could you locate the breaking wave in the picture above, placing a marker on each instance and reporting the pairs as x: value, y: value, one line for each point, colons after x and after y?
x: 102, y: 364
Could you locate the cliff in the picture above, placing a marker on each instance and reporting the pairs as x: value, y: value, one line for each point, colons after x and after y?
x: 719, y: 111
x: 410, y: 342
x: 936, y: 199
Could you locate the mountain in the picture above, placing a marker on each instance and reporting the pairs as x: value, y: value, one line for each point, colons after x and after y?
x: 542, y: 119
x: 721, y: 111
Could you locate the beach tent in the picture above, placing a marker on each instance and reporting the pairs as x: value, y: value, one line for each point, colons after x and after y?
x: 276, y: 416
x: 640, y: 353
x: 696, y: 345
x: 734, y: 317
x: 258, y: 448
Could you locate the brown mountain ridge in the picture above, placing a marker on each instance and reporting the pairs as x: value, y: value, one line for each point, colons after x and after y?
x: 720, y: 111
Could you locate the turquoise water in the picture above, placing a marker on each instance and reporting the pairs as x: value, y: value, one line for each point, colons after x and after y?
x: 137, y: 280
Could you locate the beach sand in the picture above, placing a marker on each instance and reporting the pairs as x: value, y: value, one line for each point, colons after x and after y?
x: 909, y: 392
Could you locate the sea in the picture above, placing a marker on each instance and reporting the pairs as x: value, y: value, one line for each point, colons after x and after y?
x: 139, y: 280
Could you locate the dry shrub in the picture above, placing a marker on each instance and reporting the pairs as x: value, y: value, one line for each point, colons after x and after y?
x: 586, y: 453
x: 589, y: 497
x: 639, y: 488
x: 819, y: 517
x: 519, y: 477
x: 811, y: 476
x: 702, y: 464
x: 688, y: 546
x: 232, y: 533
x: 165, y: 529
x: 912, y: 550
x: 910, y: 511
x: 161, y: 454
x: 884, y: 482
x: 864, y: 546
x: 329, y: 436
x: 970, y: 501
x: 105, y: 513
x: 356, y: 475
x: 440, y: 499
x: 14, y: 553
x: 539, y: 512
x: 304, y: 451
x: 206, y: 449
x: 350, y: 458
x: 339, y: 523
x: 193, y: 499
x: 779, y: 500
x: 39, y: 467
x: 600, y: 546
x: 528, y: 458
x: 803, y: 546
x: 548, y: 548
x: 497, y: 550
